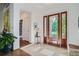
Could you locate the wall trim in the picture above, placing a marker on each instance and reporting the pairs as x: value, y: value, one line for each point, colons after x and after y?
x: 73, y: 46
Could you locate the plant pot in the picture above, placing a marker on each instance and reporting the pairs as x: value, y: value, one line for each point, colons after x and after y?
x: 6, y: 49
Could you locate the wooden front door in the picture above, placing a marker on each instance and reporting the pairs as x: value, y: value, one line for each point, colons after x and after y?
x: 55, y: 29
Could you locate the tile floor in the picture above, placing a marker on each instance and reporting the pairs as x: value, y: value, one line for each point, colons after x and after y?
x: 41, y: 50
x: 44, y: 50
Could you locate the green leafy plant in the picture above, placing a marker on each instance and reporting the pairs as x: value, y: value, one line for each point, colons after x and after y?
x: 6, y: 39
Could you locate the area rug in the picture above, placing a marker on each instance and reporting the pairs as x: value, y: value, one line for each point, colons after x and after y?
x: 42, y: 50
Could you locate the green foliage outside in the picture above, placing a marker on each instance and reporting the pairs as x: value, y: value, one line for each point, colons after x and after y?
x: 55, y: 26
x: 63, y: 24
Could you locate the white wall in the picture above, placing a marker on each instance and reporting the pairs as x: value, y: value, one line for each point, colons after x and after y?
x: 36, y: 17
x: 16, y: 18
x: 72, y: 20
x: 37, y: 14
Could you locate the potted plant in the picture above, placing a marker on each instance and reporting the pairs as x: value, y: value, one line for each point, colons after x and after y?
x: 6, y: 41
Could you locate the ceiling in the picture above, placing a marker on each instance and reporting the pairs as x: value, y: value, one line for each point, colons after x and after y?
x: 35, y: 6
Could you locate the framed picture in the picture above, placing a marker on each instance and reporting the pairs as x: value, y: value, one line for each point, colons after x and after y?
x: 6, y: 19
x: 35, y: 25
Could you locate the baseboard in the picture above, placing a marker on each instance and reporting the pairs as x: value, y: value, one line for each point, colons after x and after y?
x: 73, y: 46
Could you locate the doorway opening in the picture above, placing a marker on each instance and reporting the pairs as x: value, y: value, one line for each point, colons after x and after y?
x: 55, y: 29
x: 24, y: 28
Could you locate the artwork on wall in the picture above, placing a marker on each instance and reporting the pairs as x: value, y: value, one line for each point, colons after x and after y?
x: 35, y: 25
x: 6, y: 19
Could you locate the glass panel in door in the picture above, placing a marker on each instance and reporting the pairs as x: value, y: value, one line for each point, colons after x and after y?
x: 53, y: 20
x: 63, y: 26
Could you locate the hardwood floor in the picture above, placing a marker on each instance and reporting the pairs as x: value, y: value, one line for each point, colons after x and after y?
x: 17, y: 52
x: 23, y: 43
